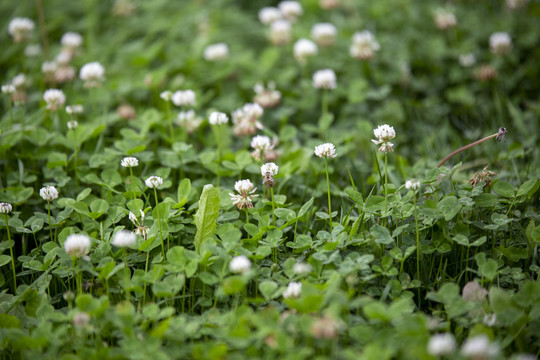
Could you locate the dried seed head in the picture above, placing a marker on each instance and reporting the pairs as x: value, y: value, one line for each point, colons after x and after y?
x: 501, y: 134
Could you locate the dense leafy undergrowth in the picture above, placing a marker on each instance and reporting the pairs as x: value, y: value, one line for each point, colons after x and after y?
x: 127, y: 233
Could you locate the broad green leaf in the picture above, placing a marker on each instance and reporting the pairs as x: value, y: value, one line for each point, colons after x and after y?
x: 184, y: 189
x: 504, y: 189
x: 206, y: 216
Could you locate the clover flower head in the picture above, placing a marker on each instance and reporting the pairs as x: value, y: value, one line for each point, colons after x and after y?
x: 81, y: 320
x: 54, y: 98
x: 303, y: 49
x: 269, y: 168
x: 280, y: 32
x: 245, y: 194
x: 516, y: 4
x: 71, y: 40
x: 48, y: 193
x: 5, y: 208
x: 218, y: 118
x: 49, y: 67
x: 166, y: 95
x: 9, y: 89
x: 324, y: 34
x: 262, y: 145
x: 329, y: 4
x: 20, y: 29
x: 32, y: 50
x: 266, y: 97
x: 124, y: 239
x: 444, y: 18
x: 326, y: 150
x: 294, y: 289
x: 129, y: 162
x: 441, y: 344
x: 154, y: 182
x: 412, y: 184
x: 500, y: 43
x: 20, y: 81
x: 188, y: 120
x: 479, y: 347
x: 467, y: 60
x: 364, y: 45
x: 324, y: 79
x: 384, y: 133
x: 490, y: 319
x: 240, y: 264
x: 184, y: 98
x: 302, y: 268
x: 77, y: 245
x: 290, y: 10
x: 74, y: 109
x: 72, y: 124
x: 246, y: 119
x: 267, y: 15
x: 216, y: 52
x: 92, y: 74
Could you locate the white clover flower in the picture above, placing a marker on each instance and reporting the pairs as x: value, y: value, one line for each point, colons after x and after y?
x: 77, y: 245
x: 92, y: 74
x: 81, y: 320
x: 324, y: 79
x: 74, y: 109
x: 20, y: 81
x: 246, y: 119
x: 71, y: 40
x: 467, y: 60
x: 293, y: 290
x: 262, y: 145
x: 124, y: 239
x: 64, y: 74
x: 384, y: 133
x: 302, y: 268
x: 32, y: 50
x: 20, y: 29
x: 324, y: 34
x: 49, y: 67
x: 268, y: 15
x: 48, y: 193
x: 269, y: 168
x: 133, y: 219
x: 154, y: 182
x: 444, y: 19
x: 64, y: 57
x: 184, y: 98
x: 166, y: 95
x: 72, y: 124
x: 412, y: 184
x: 500, y: 43
x: 188, y: 120
x: 290, y: 10
x: 240, y: 264
x: 8, y: 89
x: 326, y: 150
x: 479, y: 347
x: 303, y: 49
x: 329, y: 4
x: 5, y: 208
x: 441, y: 344
x: 245, y: 194
x: 216, y: 52
x: 218, y: 118
x: 364, y: 45
x: 280, y: 32
x: 129, y: 161
x: 266, y: 97
x: 516, y: 4
x: 490, y: 320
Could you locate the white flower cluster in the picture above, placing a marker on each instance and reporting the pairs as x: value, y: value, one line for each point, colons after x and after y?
x: 263, y: 148
x: 77, y: 245
x: 280, y: 32
x: 467, y: 60
x: 129, y: 162
x: 72, y: 124
x: 48, y: 193
x: 54, y: 98
x: 189, y: 120
x: 92, y: 74
x: 500, y: 43
x: 516, y: 4
x: 444, y: 18
x: 269, y: 168
x: 5, y: 208
x: 280, y: 20
x: 364, y: 45
x: 8, y: 89
x: 154, y: 182
x: 139, y: 224
x: 384, y: 133
x: 71, y: 41
x: 216, y: 52
x: 303, y: 49
x: 412, y: 184
x: 480, y: 347
x: 290, y: 10
x: 184, y: 98
x: 324, y: 34
x: 324, y: 79
x: 240, y: 264
x: 21, y: 29
x: 218, y: 118
x: 74, y: 109
x: 441, y: 344
x: 245, y: 194
x: 326, y: 150
x: 302, y: 268
x: 166, y: 95
x: 124, y: 239
x: 246, y: 119
x: 294, y: 289
x: 266, y: 97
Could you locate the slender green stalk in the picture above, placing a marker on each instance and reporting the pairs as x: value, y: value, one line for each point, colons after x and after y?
x: 247, y: 215
x: 49, y: 216
x: 217, y: 133
x: 273, y: 206
x: 170, y: 118
x: 10, y: 113
x: 145, y: 272
x: 126, y: 265
x: 160, y: 228
x: 324, y: 102
x: 386, y: 182
x: 328, y: 192
x: 12, y: 257
x: 417, y: 246
x: 132, y: 183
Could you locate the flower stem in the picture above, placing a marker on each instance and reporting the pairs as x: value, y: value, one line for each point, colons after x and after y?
x: 217, y: 133
x: 49, y: 216
x: 417, y: 246
x: 385, y: 181
x: 42, y: 28
x: 324, y: 102
x: 169, y: 117
x: 132, y: 183
x: 12, y: 257
x: 273, y: 206
x: 328, y: 192
x: 145, y: 272
x: 10, y: 113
